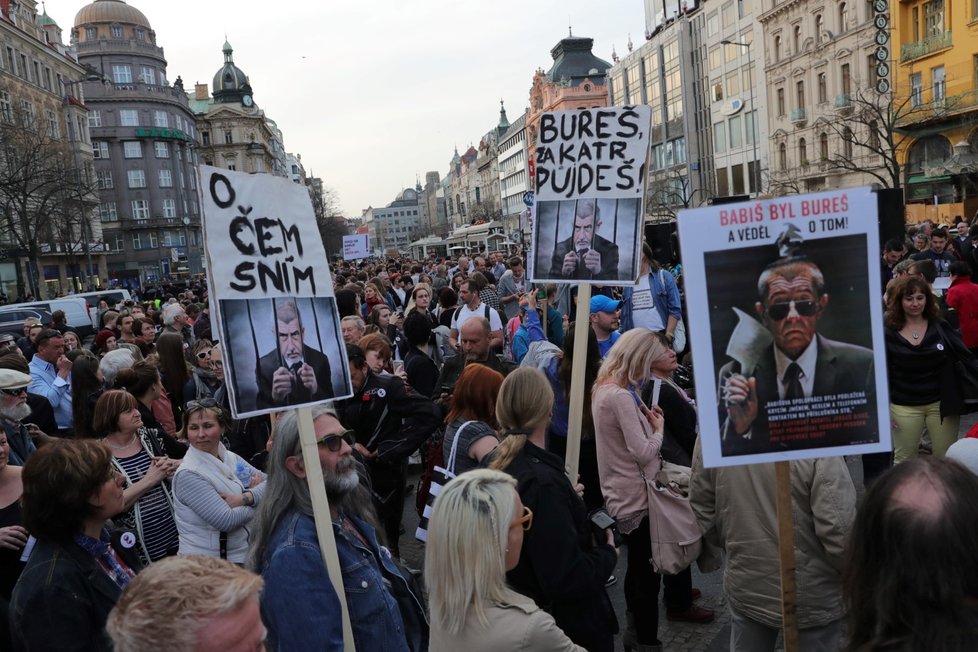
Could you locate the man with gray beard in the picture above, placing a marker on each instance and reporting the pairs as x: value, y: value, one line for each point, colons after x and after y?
x: 299, y: 606
x: 14, y: 409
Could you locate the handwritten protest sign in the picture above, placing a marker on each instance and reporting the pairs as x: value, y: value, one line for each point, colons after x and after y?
x: 272, y: 293
x: 591, y: 169
x: 786, y: 326
x: 356, y: 246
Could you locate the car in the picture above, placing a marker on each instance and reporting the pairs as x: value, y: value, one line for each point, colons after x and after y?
x: 12, y: 318
x: 75, y: 309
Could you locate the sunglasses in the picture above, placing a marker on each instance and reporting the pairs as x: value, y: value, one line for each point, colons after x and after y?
x: 203, y: 355
x: 14, y: 392
x: 778, y: 311
x: 202, y: 403
x: 525, y: 521
x: 333, y: 443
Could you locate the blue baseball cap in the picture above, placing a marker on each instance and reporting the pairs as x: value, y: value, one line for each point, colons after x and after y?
x: 601, y: 303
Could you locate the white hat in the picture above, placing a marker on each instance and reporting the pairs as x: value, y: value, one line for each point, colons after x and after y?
x: 11, y: 379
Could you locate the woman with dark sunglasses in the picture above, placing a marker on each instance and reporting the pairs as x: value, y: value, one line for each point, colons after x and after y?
x: 214, y: 489
x: 203, y: 382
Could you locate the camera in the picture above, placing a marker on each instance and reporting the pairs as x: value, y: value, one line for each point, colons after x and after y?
x: 602, y: 521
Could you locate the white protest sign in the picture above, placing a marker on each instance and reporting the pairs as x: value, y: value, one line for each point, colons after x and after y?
x: 356, y: 246
x: 786, y: 326
x: 272, y: 293
x: 591, y: 170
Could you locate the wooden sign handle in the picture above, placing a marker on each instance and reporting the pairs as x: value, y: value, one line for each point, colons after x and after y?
x: 582, y: 322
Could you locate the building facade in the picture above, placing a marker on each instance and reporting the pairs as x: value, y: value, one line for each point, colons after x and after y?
x: 396, y: 225
x: 514, y: 179
x: 49, y: 242
x: 143, y: 135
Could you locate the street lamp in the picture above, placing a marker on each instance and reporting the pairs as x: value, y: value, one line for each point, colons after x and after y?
x: 756, y: 164
x: 86, y: 227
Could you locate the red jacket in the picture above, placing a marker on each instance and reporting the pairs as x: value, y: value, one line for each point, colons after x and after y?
x: 963, y: 297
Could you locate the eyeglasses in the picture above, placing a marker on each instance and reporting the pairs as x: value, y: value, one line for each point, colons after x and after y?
x: 203, y: 354
x: 217, y: 364
x: 333, y: 443
x: 525, y: 521
x: 14, y: 392
x: 778, y: 311
x: 202, y: 403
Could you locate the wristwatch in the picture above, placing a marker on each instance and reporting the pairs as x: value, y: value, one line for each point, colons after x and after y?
x: 248, y: 499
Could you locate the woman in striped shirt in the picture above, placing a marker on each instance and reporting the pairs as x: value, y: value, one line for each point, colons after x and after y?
x: 138, y: 455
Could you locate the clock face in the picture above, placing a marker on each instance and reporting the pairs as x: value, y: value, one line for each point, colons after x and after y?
x: 246, y: 100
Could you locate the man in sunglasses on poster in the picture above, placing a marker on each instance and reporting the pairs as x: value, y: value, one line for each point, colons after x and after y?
x: 789, y: 360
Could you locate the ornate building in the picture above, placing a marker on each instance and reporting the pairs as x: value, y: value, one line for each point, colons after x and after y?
x: 143, y: 144
x: 48, y: 242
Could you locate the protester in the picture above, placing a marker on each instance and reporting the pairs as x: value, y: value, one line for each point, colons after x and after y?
x: 214, y: 490
x: 49, y: 377
x: 420, y: 365
x: 202, y: 382
x: 562, y: 537
x: 76, y: 572
x: 174, y: 373
x: 138, y: 455
x: 189, y: 604
x: 13, y: 534
x: 475, y: 535
x: 105, y: 341
x: 471, y: 430
x: 113, y: 362
x: 87, y: 384
x: 71, y: 340
x: 143, y: 381
x: 299, y: 605
x: 910, y: 566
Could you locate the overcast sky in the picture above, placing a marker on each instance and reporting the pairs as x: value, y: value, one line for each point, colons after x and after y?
x: 374, y: 93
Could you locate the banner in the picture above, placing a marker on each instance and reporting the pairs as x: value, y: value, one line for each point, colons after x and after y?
x: 589, y: 202
x: 272, y: 293
x: 786, y: 325
x: 356, y: 246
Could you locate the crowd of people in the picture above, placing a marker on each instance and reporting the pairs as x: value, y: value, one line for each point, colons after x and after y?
x: 136, y: 513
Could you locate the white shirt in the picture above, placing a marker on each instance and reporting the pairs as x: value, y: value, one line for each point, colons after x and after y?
x: 807, y: 361
x: 644, y: 314
x: 495, y: 323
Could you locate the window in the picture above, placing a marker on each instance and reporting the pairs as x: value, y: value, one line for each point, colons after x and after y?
x: 94, y: 119
x: 874, y: 136
x: 783, y: 156
x: 800, y: 94
x: 104, y: 179
x: 844, y: 17
x: 228, y: 137
x: 715, y: 59
x: 796, y: 40
x: 100, y: 149
x: 132, y: 149
x: 140, y: 35
x: 137, y: 240
x: 916, y: 90
x: 29, y: 118
x: 819, y: 28
x: 823, y: 146
x: 802, y: 151
x: 736, y: 131
x: 728, y: 15
x: 232, y: 166
x: 749, y: 124
x: 822, y: 90
x: 730, y: 53
x: 54, y: 131
x: 166, y: 178
x: 129, y: 118
x: 140, y: 209
x: 6, y: 113
x: 744, y: 8
x: 720, y: 137
x: 169, y: 208
x: 846, y: 79
x: 91, y: 33
x: 121, y: 73
x: 117, y: 31
x: 737, y: 172
x: 938, y: 84
x: 107, y: 212
x: 678, y: 148
x: 153, y: 240
x: 205, y: 138
x: 161, y: 119
x: 723, y: 185
x: 847, y: 143
x: 717, y: 91
x: 137, y: 179
x: 147, y: 75
x: 733, y: 84
x: 915, y: 35
x: 780, y: 102
x: 777, y: 48
x: 162, y: 149
x: 712, y: 24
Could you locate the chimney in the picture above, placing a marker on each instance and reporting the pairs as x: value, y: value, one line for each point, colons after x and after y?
x: 200, y: 92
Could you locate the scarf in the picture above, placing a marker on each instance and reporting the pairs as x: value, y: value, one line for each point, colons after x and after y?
x: 224, y: 473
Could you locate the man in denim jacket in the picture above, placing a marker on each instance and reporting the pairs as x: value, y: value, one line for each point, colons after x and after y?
x: 299, y: 605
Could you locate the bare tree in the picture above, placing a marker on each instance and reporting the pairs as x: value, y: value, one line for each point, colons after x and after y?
x: 41, y: 197
x: 670, y: 193
x: 332, y: 227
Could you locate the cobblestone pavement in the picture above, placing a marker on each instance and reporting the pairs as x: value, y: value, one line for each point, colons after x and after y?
x: 676, y: 637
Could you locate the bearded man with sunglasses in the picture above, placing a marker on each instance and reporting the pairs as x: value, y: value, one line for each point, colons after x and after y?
x: 799, y: 363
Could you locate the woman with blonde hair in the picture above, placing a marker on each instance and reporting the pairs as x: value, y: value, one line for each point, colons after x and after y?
x: 629, y: 437
x: 561, y: 566
x: 475, y: 535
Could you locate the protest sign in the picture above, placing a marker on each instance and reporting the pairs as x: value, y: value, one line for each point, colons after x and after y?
x: 589, y: 201
x: 786, y: 327
x: 356, y: 246
x: 271, y: 292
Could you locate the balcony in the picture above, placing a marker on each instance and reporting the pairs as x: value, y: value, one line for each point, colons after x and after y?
x: 843, y: 103
x: 798, y: 117
x: 154, y: 223
x: 926, y: 46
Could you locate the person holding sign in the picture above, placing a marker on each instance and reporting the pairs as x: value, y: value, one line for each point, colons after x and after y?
x: 293, y: 373
x: 585, y: 255
x: 785, y: 361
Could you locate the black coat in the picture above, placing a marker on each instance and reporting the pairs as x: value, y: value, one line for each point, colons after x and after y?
x: 560, y: 566
x: 269, y: 363
x: 609, y: 260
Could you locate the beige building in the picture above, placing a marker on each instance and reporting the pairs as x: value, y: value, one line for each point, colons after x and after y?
x: 819, y: 68
x: 48, y: 225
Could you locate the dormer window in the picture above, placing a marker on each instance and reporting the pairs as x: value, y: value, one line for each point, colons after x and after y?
x: 117, y: 31
x: 91, y: 33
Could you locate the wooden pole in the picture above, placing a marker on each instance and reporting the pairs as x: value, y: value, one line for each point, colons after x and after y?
x: 582, y: 321
x: 320, y: 512
x: 786, y: 554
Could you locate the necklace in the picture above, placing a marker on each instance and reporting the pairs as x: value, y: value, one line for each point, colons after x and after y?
x: 121, y: 446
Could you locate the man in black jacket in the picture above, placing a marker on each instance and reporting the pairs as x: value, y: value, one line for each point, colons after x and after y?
x: 391, y: 421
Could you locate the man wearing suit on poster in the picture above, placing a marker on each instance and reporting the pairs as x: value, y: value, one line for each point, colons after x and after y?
x: 292, y: 373
x: 798, y: 362
x: 585, y: 255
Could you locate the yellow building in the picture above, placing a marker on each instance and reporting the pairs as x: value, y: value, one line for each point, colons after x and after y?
x: 935, y: 82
